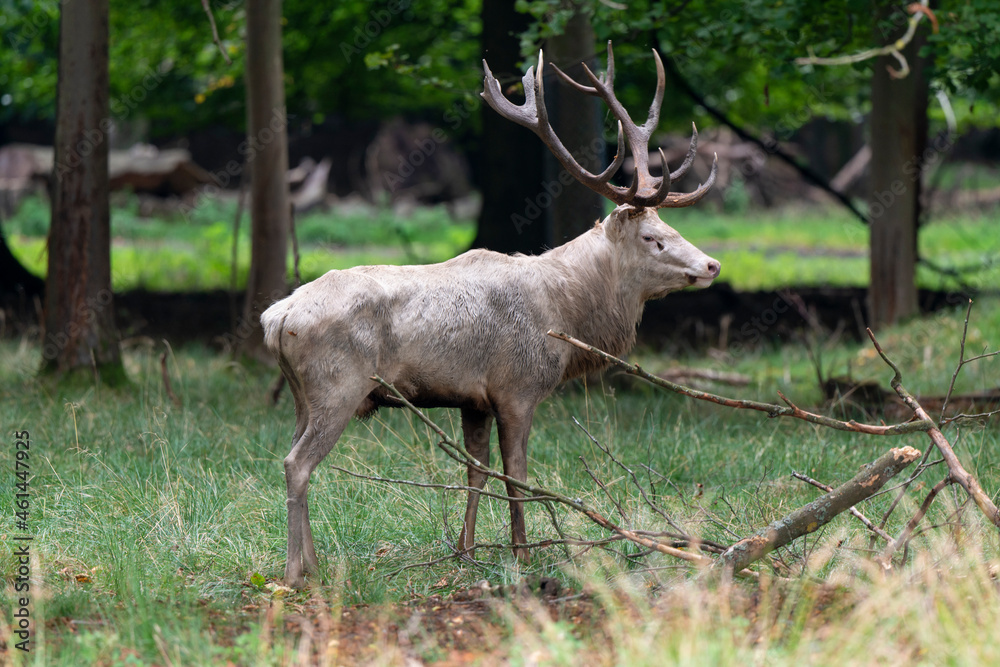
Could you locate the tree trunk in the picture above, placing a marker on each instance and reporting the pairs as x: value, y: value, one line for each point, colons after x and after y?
x: 576, y: 119
x: 267, y: 158
x: 79, y: 312
x: 511, y: 158
x: 898, y: 140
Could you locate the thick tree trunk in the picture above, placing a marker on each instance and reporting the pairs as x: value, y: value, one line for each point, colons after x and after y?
x: 79, y: 313
x: 267, y: 157
x: 511, y: 158
x: 898, y: 140
x: 576, y: 119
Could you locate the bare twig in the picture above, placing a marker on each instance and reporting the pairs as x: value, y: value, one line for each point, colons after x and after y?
x: 918, y: 11
x: 454, y: 450
x: 771, y: 409
x: 459, y: 553
x: 215, y: 32
x: 650, y: 503
x: 604, y: 488
x: 957, y: 472
x: 853, y: 510
x: 445, y: 487
x: 166, y: 377
x: 962, y: 361
x: 980, y: 417
x: 907, y: 534
x: 821, y: 511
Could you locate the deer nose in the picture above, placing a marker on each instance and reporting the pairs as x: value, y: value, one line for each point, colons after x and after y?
x: 713, y: 268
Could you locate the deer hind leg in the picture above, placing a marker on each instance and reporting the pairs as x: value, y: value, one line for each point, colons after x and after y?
x: 322, y: 430
x: 513, y: 427
x: 476, y: 426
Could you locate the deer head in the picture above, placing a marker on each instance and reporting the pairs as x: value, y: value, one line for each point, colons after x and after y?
x: 661, y: 260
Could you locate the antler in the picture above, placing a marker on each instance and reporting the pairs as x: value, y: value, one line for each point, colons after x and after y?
x: 645, y: 190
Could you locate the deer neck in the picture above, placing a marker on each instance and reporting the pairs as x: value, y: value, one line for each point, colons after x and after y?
x: 595, y: 298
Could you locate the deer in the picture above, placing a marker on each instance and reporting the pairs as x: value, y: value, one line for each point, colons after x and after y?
x: 470, y: 332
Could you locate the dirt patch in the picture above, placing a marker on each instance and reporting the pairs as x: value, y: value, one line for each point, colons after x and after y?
x: 466, y: 626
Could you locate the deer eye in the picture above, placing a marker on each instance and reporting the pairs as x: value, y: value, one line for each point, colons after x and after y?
x: 649, y: 239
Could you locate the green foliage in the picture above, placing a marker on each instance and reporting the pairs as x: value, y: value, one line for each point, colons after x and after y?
x: 740, y: 55
x: 354, y: 59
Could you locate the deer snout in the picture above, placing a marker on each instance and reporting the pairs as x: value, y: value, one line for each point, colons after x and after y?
x: 709, y: 271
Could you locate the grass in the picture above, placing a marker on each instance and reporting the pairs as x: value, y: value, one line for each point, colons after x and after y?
x: 158, y: 527
x: 758, y: 250
x: 178, y: 253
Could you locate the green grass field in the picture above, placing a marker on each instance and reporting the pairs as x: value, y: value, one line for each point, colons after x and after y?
x: 758, y: 249
x: 158, y: 528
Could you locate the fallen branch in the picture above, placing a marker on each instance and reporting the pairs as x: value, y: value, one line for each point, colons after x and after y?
x: 819, y: 512
x: 771, y: 409
x: 853, y: 510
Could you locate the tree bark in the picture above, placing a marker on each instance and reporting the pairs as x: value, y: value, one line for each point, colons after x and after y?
x: 267, y: 159
x: 576, y: 119
x: 898, y: 140
x: 511, y: 158
x: 79, y: 313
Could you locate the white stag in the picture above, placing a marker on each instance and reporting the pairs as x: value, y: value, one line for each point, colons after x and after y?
x: 469, y: 333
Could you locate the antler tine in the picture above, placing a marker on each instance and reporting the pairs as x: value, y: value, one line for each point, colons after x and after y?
x: 616, y: 164
x: 586, y: 90
x: 534, y: 116
x: 524, y: 114
x: 689, y: 158
x: 653, y: 119
x: 686, y: 199
x: 608, y: 79
x: 662, y: 190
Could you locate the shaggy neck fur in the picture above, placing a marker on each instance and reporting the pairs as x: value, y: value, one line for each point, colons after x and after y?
x: 595, y: 296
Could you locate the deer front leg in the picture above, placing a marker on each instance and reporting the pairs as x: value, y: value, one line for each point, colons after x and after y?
x: 476, y: 428
x: 513, y: 429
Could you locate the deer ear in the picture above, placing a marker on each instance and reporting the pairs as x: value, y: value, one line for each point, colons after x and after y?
x: 621, y: 220
x: 617, y: 223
